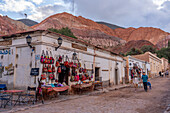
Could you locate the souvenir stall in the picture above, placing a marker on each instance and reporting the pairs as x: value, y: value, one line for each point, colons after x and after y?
x: 60, y: 72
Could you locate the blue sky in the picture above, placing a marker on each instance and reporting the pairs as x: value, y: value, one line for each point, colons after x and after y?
x: 126, y: 13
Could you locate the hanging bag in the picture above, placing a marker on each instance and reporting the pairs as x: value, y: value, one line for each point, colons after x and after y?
x: 71, y: 64
x: 66, y: 63
x: 59, y: 69
x: 57, y: 62
x: 44, y: 70
x: 53, y: 68
x: 43, y: 76
x: 60, y: 59
x: 49, y: 68
x: 45, y: 59
x: 84, y: 70
x: 51, y: 58
x: 42, y: 57
x: 51, y: 76
x: 76, y: 78
x: 48, y: 58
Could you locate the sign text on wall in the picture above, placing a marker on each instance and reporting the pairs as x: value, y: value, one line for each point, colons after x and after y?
x: 79, y: 47
x: 5, y: 52
x: 5, y: 43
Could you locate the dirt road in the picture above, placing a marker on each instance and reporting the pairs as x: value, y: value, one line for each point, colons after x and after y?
x: 119, y: 101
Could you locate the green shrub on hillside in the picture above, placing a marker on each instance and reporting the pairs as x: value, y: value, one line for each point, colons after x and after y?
x: 134, y: 51
x: 64, y: 31
x: 148, y: 48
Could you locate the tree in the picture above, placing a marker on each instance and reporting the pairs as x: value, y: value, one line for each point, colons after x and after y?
x: 169, y: 43
x: 148, y: 48
x: 134, y: 51
x: 120, y: 53
x: 64, y: 31
x: 164, y: 52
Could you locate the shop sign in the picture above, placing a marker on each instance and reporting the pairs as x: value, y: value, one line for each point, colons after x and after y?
x: 37, y: 57
x: 5, y: 52
x: 5, y: 43
x: 79, y: 47
x: 9, y: 69
x: 34, y: 72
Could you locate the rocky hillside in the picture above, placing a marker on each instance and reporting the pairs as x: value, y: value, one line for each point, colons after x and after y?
x: 28, y: 22
x: 132, y: 44
x: 8, y: 25
x: 88, y: 30
x: 112, y: 26
x: 154, y: 35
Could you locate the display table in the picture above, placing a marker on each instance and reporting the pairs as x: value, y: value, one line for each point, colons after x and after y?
x: 79, y: 88
x: 98, y: 85
x: 17, y: 93
x: 50, y: 92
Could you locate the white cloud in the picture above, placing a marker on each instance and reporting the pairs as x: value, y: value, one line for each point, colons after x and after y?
x: 15, y: 5
x: 1, y: 15
x: 43, y: 12
x: 159, y: 3
x: 37, y: 1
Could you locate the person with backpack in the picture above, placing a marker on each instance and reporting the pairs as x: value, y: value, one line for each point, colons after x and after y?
x: 145, y: 80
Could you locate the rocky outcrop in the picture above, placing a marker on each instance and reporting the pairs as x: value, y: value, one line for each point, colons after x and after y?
x: 8, y: 25
x: 85, y: 29
x: 28, y: 22
x: 132, y: 44
x: 154, y: 35
x: 90, y: 31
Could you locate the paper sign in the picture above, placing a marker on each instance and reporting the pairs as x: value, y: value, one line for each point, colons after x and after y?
x: 37, y: 57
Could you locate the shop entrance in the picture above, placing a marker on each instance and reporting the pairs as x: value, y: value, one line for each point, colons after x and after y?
x: 97, y: 74
x: 116, y: 76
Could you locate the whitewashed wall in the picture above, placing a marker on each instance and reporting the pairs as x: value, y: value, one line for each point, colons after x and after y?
x: 25, y: 61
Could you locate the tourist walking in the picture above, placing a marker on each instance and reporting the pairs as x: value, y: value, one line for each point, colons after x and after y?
x: 160, y: 73
x: 166, y: 73
x: 135, y: 82
x: 145, y: 79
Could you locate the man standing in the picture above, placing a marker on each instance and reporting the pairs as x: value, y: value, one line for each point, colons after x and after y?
x: 145, y: 79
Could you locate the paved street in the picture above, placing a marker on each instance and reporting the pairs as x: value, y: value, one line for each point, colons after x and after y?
x: 118, y: 101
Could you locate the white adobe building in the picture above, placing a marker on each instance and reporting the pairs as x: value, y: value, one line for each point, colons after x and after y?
x: 17, y: 58
x: 132, y: 62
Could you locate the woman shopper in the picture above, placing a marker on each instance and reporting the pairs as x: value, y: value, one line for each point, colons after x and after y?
x: 145, y: 79
x: 135, y: 82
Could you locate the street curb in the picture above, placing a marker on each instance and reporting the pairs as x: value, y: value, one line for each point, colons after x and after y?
x: 105, y: 90
x: 38, y: 105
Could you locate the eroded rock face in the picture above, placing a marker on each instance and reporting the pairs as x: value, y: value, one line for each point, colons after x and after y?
x: 132, y: 44
x: 90, y: 31
x: 8, y: 25
x: 85, y: 29
x: 154, y: 35
x: 163, y: 42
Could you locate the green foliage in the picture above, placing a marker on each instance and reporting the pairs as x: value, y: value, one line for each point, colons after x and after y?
x: 169, y: 43
x: 64, y: 31
x: 164, y: 52
x: 134, y: 51
x: 122, y: 54
x: 148, y: 48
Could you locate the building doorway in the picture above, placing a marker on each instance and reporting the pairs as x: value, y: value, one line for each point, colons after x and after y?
x: 97, y: 78
x: 116, y: 76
